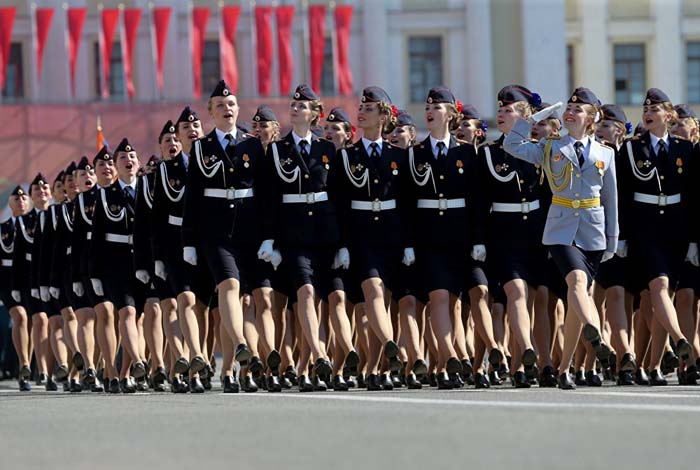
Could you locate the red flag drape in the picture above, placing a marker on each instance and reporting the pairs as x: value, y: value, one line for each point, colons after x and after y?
x: 200, y: 18
x: 43, y: 24
x: 343, y: 20
x: 317, y: 43
x: 76, y: 20
x: 7, y: 20
x: 263, y: 28
x: 161, y: 21
x: 227, y: 44
x: 110, y: 19
x: 285, y: 59
x: 132, y: 18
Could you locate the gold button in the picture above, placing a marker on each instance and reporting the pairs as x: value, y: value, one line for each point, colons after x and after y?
x: 441, y: 195
x: 442, y: 177
x: 230, y: 170
x: 376, y: 181
x: 306, y: 177
x: 662, y: 176
x: 522, y: 181
x: 524, y: 217
x: 523, y: 199
x: 230, y: 206
x: 576, y: 214
x: 131, y: 219
x: 577, y: 194
x: 311, y: 212
x: 442, y: 213
x: 376, y: 218
x: 578, y: 175
x: 661, y: 212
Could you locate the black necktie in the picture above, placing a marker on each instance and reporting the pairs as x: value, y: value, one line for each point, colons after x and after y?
x: 578, y: 147
x: 303, y: 152
x: 229, y: 139
x: 374, y: 153
x: 662, y: 152
x: 441, y: 149
x: 129, y: 194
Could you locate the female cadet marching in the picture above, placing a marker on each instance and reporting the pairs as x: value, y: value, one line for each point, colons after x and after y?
x: 509, y: 190
x: 300, y: 219
x: 658, y: 200
x: 369, y: 189
x: 581, y: 228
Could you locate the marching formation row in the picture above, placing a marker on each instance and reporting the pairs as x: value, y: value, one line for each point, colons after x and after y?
x: 321, y: 259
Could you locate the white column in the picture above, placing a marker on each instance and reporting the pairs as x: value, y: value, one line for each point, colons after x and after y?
x: 544, y: 48
x: 477, y: 58
x: 55, y: 79
x: 374, y: 48
x: 666, y: 51
x: 593, y: 55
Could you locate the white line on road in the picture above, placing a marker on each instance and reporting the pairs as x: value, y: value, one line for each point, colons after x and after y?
x: 637, y: 394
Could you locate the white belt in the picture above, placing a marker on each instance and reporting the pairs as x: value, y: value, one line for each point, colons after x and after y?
x: 522, y: 207
x: 661, y: 199
x: 88, y: 235
x: 116, y: 238
x: 7, y: 262
x: 69, y: 250
x: 28, y: 256
x: 374, y: 206
x: 308, y: 198
x: 172, y: 220
x: 229, y: 194
x: 441, y: 204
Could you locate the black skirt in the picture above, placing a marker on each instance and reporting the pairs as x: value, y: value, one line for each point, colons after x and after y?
x: 507, y: 262
x: 375, y: 261
x: 572, y: 258
x: 408, y: 283
x: 613, y: 273
x: 652, y: 259
x: 443, y: 267
x: 689, y: 278
x: 308, y: 265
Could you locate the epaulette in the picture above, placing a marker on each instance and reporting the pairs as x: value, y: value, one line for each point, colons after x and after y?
x: 534, y: 141
x: 679, y: 138
x: 553, y: 137
x: 606, y: 145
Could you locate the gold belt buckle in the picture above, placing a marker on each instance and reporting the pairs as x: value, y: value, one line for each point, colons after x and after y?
x: 575, y: 203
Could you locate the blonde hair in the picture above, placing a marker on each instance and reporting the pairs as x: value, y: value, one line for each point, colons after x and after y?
x: 523, y: 108
x: 317, y: 107
x: 668, y: 107
x: 592, y: 110
x: 555, y: 124
x: 392, y: 121
x: 455, y: 116
x: 623, y: 133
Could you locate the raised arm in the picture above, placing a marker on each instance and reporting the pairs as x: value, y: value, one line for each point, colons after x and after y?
x: 518, y: 144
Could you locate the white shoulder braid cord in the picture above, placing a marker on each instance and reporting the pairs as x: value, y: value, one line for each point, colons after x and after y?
x: 207, y: 170
x: 54, y: 219
x: 502, y: 179
x: 287, y: 176
x: 360, y: 181
x: 638, y: 174
x: 169, y: 190
x: 427, y: 175
x: 6, y: 248
x: 119, y: 216
x: 66, y: 218
x: 24, y: 231
x: 81, y: 203
x: 147, y: 196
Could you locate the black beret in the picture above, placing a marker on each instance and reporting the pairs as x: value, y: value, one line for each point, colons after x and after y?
x: 221, y: 89
x: 154, y: 160
x: 84, y: 164
x: 59, y: 177
x: 168, y: 128
x: 440, y: 94
x: 470, y: 112
x: 38, y: 180
x: 264, y: 114
x: 124, y: 146
x: 583, y: 95
x: 70, y: 169
x: 18, y: 191
x: 374, y: 94
x: 656, y: 96
x: 404, y: 119
x: 338, y: 114
x: 684, y: 111
x: 514, y: 93
x: 304, y: 93
x: 103, y: 154
x: 187, y: 115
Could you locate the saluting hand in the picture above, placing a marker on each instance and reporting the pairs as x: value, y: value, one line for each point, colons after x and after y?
x: 692, y: 255
x: 189, y: 254
x: 97, y: 286
x: 142, y: 275
x: 44, y: 293
x: 78, y: 289
x: 479, y: 253
x: 409, y: 256
x: 545, y: 113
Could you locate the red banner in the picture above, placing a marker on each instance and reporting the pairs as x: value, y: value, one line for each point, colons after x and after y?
x: 7, y: 20
x: 161, y: 21
x: 317, y: 43
x: 343, y: 20
x: 227, y: 44
x: 76, y: 20
x: 43, y: 24
x: 110, y: 19
x: 285, y: 59
x: 200, y: 18
x: 263, y: 28
x: 132, y: 18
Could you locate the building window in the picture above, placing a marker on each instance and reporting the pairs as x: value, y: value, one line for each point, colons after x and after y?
x: 117, y: 84
x: 14, y: 75
x: 630, y: 74
x: 327, y: 77
x: 693, y: 72
x: 425, y: 65
x: 211, y: 66
x: 570, y: 72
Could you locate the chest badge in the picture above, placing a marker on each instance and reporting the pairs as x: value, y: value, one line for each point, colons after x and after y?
x: 600, y: 164
x: 326, y: 162
x: 246, y: 160
x: 557, y: 157
x: 460, y: 166
x: 394, y: 168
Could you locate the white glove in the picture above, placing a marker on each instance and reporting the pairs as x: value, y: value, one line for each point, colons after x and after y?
x: 409, y: 256
x: 189, y: 254
x: 606, y: 256
x: 35, y: 293
x: 621, y: 249
x: 479, y: 253
x: 342, y: 259
x: 276, y: 259
x: 44, y: 293
x: 692, y: 255
x: 142, y: 275
x: 160, y: 269
x: 16, y: 296
x: 265, y: 251
x: 97, y: 286
x: 78, y: 289
x: 55, y: 292
x: 546, y: 112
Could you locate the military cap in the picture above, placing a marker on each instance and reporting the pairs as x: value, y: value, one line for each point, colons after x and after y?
x: 583, y: 95
x: 168, y: 128
x: 656, y: 96
x: 684, y: 111
x: 338, y: 114
x: 515, y: 93
x: 221, y: 89
x: 39, y: 180
x: 18, y: 191
x: 187, y: 115
x: 154, y: 160
x: 304, y: 93
x: 59, y: 177
x: 375, y: 94
x: 264, y: 114
x: 404, y: 119
x: 244, y: 128
x: 69, y: 170
x: 84, y: 164
x: 124, y: 146
x: 440, y: 94
x: 470, y: 112
x: 103, y: 154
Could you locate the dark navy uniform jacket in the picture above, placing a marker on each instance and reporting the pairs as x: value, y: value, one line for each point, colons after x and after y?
x: 82, y: 232
x: 25, y: 226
